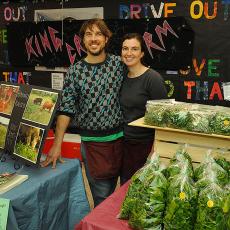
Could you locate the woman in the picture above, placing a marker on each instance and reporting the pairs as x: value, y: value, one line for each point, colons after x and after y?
x: 140, y: 85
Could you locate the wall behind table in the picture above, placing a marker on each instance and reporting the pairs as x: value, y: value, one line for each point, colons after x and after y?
x: 202, y: 81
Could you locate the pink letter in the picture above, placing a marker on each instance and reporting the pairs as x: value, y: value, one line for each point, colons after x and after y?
x: 29, y: 48
x: 57, y: 42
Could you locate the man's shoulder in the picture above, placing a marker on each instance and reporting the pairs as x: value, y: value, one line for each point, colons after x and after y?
x: 114, y: 57
x: 76, y: 66
x: 115, y: 60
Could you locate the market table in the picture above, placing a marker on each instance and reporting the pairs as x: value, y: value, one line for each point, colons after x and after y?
x: 104, y: 216
x: 51, y: 199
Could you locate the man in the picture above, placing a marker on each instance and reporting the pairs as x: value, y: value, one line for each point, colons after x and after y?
x: 91, y: 95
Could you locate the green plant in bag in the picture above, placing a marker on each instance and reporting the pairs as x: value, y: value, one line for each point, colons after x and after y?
x: 155, y: 116
x: 212, y: 209
x: 220, y: 123
x: 181, y: 202
x: 147, y: 213
x: 177, y: 162
x: 221, y: 176
x: 145, y: 200
x: 223, y: 163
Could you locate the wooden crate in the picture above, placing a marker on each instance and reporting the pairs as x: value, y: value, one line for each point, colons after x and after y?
x: 168, y: 141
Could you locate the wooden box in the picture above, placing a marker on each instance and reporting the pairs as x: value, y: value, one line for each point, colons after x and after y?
x: 168, y: 140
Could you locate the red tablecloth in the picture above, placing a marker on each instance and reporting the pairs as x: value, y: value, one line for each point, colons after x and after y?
x: 104, y: 216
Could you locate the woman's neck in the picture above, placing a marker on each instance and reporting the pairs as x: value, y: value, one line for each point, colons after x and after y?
x: 136, y: 71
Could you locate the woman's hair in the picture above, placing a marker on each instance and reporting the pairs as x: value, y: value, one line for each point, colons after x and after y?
x: 140, y: 39
x: 95, y: 22
x: 136, y: 36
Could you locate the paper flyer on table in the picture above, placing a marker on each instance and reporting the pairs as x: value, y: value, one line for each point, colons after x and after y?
x: 4, y: 209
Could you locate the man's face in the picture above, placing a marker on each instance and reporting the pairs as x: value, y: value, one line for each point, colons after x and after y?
x: 94, y: 41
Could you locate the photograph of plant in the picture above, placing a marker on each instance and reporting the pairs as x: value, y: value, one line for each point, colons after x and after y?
x: 40, y: 106
x: 28, y: 142
x: 8, y: 94
x: 4, y: 122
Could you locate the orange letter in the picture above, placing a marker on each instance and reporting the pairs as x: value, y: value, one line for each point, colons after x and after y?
x: 168, y: 11
x: 214, y: 10
x: 198, y: 69
x: 190, y: 84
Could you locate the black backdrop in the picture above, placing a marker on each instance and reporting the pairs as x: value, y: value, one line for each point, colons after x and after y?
x: 173, y: 52
x: 209, y: 19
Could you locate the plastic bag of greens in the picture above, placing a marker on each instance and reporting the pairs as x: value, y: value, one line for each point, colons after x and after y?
x: 181, y: 152
x: 177, y: 118
x: 226, y: 207
x: 155, y: 110
x: 154, y: 115
x: 210, y: 165
x: 181, y: 202
x: 211, y: 212
x: 199, y: 121
x: 208, y: 176
x: 220, y: 160
x: 136, y: 185
x: 145, y: 200
x: 177, y: 162
x: 220, y: 123
x: 148, y: 211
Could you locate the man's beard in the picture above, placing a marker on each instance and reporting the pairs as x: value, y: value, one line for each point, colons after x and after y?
x: 98, y: 52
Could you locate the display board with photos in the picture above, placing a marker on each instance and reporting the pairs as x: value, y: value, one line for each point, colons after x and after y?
x: 26, y: 113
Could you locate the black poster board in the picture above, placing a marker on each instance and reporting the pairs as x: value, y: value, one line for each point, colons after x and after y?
x: 169, y: 42
x: 26, y: 113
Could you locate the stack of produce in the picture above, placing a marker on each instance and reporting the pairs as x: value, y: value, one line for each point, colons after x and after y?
x: 176, y: 164
x: 226, y: 206
x: 181, y: 201
x: 213, y: 208
x: 213, y: 202
x: 191, y: 117
x: 154, y: 203
x: 220, y: 160
x: 217, y: 166
x: 144, y: 203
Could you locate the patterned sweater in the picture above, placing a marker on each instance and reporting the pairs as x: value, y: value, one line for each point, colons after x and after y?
x: 91, y: 95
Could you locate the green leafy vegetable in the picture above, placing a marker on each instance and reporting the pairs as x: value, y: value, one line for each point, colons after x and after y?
x: 196, y: 118
x: 144, y: 203
x: 177, y: 162
x: 155, y: 116
x: 223, y: 163
x: 199, y: 121
x: 211, y: 212
x: 203, y: 172
x: 220, y: 123
x: 181, y: 202
x: 177, y: 118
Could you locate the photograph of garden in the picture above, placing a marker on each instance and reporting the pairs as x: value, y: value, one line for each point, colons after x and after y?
x: 8, y: 94
x: 4, y: 122
x: 28, y: 142
x: 40, y: 106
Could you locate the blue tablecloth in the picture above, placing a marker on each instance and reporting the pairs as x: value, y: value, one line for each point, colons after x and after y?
x: 51, y: 199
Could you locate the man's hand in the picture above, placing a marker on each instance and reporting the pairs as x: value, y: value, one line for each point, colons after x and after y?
x: 55, y: 151
x: 52, y: 157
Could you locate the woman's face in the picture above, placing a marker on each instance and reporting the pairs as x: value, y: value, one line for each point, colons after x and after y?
x: 131, y: 52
